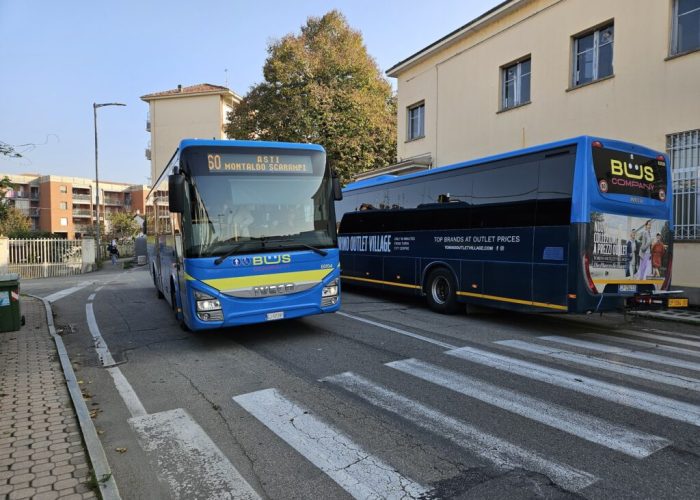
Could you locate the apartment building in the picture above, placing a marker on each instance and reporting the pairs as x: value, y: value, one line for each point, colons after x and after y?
x: 199, y: 111
x: 66, y: 205
x: 534, y: 71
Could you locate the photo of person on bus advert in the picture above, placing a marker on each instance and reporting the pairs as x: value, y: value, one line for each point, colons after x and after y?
x: 628, y: 248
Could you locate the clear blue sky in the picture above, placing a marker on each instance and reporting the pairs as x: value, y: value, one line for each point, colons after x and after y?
x: 59, y: 57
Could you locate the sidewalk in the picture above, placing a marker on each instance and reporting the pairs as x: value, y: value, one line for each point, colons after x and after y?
x: 41, y: 449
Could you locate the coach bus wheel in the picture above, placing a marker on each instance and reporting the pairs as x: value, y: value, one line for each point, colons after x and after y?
x: 441, y: 288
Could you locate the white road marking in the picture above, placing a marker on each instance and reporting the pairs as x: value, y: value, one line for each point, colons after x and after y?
x: 624, y: 439
x: 355, y: 470
x: 666, y: 407
x: 103, y: 353
x: 131, y: 400
x: 665, y: 338
x: 642, y: 343
x: 399, y: 331
x: 610, y: 365
x: 621, y: 351
x: 65, y: 293
x: 491, y: 448
x: 664, y: 333
x: 188, y: 460
x: 92, y: 297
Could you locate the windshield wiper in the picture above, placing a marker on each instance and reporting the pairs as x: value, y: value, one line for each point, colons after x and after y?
x: 282, y: 243
x: 235, y: 248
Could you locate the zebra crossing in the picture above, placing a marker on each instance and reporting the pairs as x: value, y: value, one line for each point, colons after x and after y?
x: 663, y: 375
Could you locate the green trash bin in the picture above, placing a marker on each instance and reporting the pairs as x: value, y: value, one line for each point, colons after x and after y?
x: 10, y: 315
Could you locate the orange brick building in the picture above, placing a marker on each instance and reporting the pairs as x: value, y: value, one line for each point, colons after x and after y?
x: 66, y: 205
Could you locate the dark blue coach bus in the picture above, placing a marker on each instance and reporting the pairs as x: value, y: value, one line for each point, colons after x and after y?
x: 579, y: 225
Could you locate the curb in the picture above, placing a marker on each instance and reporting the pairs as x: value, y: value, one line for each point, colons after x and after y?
x: 98, y: 458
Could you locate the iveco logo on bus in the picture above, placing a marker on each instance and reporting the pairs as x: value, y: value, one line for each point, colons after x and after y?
x: 632, y: 170
x: 261, y: 291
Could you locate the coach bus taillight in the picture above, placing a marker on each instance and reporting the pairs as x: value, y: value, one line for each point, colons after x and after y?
x: 589, y: 280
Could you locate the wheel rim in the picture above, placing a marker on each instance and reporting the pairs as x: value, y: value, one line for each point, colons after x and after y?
x: 440, y: 290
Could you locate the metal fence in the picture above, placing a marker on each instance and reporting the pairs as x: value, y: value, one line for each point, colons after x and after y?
x: 45, y: 258
x: 684, y: 152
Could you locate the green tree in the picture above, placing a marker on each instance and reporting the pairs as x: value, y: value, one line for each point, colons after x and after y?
x: 13, y: 223
x: 321, y: 86
x: 123, y: 225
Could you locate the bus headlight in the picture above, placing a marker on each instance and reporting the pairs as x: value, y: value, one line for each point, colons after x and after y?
x: 329, y: 294
x: 330, y: 290
x: 208, y: 307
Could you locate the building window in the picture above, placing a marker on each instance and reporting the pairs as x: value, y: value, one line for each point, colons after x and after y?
x: 63, y: 205
x: 515, y: 88
x: 684, y: 152
x: 416, y: 121
x: 593, y: 55
x: 63, y: 221
x: 686, y: 26
x: 63, y: 189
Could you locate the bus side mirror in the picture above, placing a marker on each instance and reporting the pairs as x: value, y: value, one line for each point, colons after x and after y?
x: 176, y: 193
x: 337, y: 190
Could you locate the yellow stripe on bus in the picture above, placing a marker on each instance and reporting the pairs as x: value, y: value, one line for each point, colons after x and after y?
x: 223, y: 284
x: 391, y: 283
x: 514, y: 301
x: 629, y: 282
x: 466, y: 294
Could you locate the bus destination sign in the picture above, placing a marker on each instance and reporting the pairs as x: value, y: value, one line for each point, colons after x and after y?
x: 259, y: 164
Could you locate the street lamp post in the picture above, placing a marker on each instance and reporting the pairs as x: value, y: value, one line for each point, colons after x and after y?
x: 97, y: 177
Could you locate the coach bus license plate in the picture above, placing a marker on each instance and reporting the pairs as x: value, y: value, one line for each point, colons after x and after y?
x: 677, y: 302
x: 627, y: 288
x: 275, y: 315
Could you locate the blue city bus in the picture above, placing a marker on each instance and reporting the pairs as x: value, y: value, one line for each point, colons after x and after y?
x: 245, y: 233
x: 579, y: 225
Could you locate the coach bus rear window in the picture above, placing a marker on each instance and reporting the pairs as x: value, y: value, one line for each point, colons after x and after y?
x: 618, y: 172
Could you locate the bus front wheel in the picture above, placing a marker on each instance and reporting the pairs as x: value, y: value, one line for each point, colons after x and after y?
x: 441, y: 289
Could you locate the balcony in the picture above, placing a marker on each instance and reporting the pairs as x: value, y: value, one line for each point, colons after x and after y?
x: 148, y: 125
x: 110, y: 200
x: 82, y: 228
x: 148, y: 153
x: 81, y: 197
x: 82, y: 213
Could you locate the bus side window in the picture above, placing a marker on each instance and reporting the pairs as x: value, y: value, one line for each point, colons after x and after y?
x: 555, y: 188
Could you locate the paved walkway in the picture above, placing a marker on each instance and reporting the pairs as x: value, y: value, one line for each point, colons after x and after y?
x: 41, y: 450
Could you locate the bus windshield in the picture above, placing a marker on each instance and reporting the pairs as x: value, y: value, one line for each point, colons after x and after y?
x: 236, y: 198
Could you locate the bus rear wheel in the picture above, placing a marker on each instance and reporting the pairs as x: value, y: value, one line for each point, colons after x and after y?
x: 441, y: 289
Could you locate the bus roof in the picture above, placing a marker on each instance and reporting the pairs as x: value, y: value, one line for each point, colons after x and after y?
x: 580, y: 140
x: 188, y: 143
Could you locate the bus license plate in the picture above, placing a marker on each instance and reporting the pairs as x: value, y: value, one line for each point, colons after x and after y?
x: 627, y: 288
x: 677, y: 302
x: 275, y: 315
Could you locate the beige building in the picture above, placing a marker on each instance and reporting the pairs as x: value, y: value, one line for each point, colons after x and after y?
x: 199, y: 111
x: 65, y: 206
x: 533, y: 71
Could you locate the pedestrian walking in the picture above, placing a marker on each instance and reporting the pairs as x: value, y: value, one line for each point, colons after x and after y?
x: 113, y: 252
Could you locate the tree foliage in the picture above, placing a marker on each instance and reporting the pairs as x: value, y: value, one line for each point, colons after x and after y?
x: 123, y: 225
x: 321, y: 86
x: 13, y: 223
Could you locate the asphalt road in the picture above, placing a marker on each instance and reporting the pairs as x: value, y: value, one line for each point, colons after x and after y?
x: 383, y: 400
